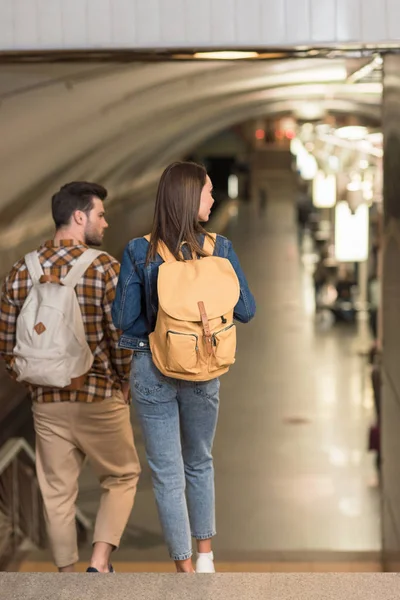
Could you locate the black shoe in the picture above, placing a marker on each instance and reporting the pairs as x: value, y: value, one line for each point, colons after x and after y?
x: 93, y: 570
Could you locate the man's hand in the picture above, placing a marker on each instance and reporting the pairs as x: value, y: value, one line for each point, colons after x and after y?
x: 126, y: 391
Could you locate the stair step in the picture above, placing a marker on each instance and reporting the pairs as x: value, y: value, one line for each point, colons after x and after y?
x: 225, y: 567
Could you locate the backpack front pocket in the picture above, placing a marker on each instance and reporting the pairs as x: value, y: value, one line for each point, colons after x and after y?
x: 224, y: 343
x: 182, y: 352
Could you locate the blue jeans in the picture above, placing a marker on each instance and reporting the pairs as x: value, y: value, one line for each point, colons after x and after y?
x: 178, y: 421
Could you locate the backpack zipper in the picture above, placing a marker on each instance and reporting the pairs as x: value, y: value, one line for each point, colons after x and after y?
x: 221, y: 331
x: 190, y: 334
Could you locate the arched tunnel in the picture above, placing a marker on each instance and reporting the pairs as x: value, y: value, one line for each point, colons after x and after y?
x: 119, y: 124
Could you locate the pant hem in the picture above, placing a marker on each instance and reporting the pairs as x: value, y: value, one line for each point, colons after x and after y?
x: 61, y: 564
x: 206, y: 536
x: 104, y: 540
x: 181, y: 556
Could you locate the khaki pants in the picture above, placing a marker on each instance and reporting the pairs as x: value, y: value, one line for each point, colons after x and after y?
x: 66, y: 433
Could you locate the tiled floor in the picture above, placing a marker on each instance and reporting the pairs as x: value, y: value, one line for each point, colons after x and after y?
x: 292, y: 470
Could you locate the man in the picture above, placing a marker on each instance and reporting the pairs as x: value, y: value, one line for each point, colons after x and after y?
x: 94, y: 421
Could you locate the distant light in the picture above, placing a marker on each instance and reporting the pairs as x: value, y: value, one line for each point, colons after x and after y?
x: 226, y: 55
x: 233, y: 186
x: 333, y: 162
x: 260, y: 134
x: 351, y: 233
x: 364, y: 164
x: 307, y: 165
x: 279, y: 134
x: 376, y: 138
x: 307, y: 128
x: 296, y: 146
x: 354, y: 186
x: 323, y: 128
x: 352, y: 132
x: 324, y: 190
x: 305, y: 162
x: 338, y: 457
x: 310, y: 111
x: 290, y: 135
x: 233, y: 210
x: 368, y: 191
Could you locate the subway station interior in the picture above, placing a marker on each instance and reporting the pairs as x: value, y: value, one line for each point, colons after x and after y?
x: 295, y: 112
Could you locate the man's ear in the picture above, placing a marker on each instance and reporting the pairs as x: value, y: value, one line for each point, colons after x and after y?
x: 78, y: 217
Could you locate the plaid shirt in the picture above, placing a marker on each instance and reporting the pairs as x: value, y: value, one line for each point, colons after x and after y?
x: 95, y: 295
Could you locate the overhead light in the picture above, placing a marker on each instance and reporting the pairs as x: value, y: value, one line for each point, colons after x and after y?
x: 323, y: 128
x: 363, y: 146
x: 352, y: 132
x: 226, y: 55
x: 296, y: 146
x: 307, y: 165
x: 351, y: 233
x: 310, y: 111
x: 368, y: 190
x: 376, y: 138
x: 366, y: 70
x: 324, y: 190
x: 333, y: 162
x: 354, y: 186
x: 233, y: 186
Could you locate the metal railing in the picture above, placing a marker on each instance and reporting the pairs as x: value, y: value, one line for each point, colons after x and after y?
x: 21, y: 506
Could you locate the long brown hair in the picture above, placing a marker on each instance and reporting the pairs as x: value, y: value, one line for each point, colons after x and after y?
x: 177, y: 208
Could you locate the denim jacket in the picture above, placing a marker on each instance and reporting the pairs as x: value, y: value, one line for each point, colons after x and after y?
x: 135, y: 307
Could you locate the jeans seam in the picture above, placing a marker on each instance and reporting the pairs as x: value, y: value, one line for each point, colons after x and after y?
x: 181, y: 556
x: 204, y: 536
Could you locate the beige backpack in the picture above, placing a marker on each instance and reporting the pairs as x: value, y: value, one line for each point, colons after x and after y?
x: 195, y: 337
x: 51, y: 348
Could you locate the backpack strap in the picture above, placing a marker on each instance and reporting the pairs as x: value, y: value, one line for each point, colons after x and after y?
x: 162, y: 250
x: 167, y: 256
x: 34, y: 267
x: 81, y: 265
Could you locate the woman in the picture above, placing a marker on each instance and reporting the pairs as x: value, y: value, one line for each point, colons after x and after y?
x: 178, y: 418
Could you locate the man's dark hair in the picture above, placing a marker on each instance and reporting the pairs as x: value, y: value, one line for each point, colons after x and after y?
x: 77, y: 195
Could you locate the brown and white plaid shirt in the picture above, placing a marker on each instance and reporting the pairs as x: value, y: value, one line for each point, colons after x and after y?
x: 95, y: 295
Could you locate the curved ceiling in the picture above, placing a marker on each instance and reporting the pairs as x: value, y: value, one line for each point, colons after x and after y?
x: 120, y: 124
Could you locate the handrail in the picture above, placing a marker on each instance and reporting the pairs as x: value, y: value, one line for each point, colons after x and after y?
x: 11, y: 449
x: 21, y: 505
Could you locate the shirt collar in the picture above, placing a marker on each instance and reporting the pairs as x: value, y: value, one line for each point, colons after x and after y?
x: 64, y: 243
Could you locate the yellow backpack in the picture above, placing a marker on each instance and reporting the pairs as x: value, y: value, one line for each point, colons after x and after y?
x: 195, y: 337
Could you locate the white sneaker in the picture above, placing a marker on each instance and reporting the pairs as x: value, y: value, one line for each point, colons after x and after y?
x: 205, y: 563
